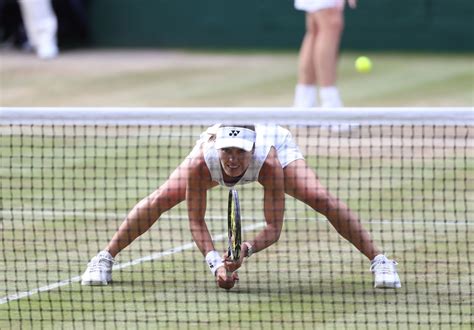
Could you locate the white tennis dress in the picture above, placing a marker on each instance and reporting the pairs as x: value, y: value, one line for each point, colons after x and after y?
x: 267, y: 136
x: 315, y: 5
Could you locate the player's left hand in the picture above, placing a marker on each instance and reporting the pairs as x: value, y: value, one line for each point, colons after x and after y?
x: 352, y: 3
x: 231, y: 265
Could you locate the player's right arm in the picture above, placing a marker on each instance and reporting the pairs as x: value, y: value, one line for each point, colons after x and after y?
x: 198, y: 182
x: 271, y: 177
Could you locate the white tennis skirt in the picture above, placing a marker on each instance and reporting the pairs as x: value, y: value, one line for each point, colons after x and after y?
x: 315, y: 5
x: 285, y: 145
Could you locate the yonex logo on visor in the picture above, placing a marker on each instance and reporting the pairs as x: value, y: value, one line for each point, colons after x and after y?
x: 235, y: 137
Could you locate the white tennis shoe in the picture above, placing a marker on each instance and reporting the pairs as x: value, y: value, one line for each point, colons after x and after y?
x: 99, y: 270
x: 385, y: 272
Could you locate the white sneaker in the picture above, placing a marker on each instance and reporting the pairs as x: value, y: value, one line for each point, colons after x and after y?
x: 99, y: 270
x: 385, y: 272
x: 47, y: 51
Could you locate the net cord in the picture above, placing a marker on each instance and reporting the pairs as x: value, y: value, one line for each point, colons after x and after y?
x: 210, y: 116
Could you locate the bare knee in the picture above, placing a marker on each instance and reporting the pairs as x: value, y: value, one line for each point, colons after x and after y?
x: 147, y: 209
x: 311, y: 31
x: 164, y: 198
x: 311, y: 25
x: 331, y: 20
x: 156, y: 203
x: 153, y: 201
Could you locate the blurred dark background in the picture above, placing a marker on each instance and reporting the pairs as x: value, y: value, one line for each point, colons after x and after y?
x: 73, y: 23
x: 375, y: 25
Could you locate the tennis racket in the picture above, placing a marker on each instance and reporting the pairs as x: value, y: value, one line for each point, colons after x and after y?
x: 234, y: 227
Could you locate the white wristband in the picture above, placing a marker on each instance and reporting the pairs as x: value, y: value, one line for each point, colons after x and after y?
x: 249, y: 249
x: 214, y: 261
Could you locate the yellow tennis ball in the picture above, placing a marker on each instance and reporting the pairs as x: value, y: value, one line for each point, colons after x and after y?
x: 363, y: 64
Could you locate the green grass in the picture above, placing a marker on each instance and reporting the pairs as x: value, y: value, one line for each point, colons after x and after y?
x: 400, y: 80
x: 63, y: 198
x: 161, y: 78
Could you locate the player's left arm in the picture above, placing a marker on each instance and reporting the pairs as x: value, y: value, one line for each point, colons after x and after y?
x: 271, y: 177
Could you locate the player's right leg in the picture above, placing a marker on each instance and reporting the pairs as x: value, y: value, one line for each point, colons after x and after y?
x: 137, y: 222
x: 149, y: 209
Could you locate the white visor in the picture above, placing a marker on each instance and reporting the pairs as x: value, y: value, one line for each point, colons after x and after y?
x: 235, y: 137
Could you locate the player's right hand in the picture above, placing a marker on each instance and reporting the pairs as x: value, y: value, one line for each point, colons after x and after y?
x: 224, y: 280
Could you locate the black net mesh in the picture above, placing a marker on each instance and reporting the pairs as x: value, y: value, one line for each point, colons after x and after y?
x: 66, y: 189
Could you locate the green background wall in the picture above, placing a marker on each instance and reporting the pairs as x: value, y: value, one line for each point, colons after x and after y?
x: 375, y: 24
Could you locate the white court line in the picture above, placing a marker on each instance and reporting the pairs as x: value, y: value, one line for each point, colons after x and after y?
x: 52, y: 214
x: 159, y: 255
x: 151, y: 257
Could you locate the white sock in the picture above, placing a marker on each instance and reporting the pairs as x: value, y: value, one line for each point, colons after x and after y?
x: 330, y: 97
x: 305, y: 96
x: 377, y: 257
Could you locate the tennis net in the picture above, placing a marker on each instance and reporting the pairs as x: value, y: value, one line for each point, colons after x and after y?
x: 70, y: 177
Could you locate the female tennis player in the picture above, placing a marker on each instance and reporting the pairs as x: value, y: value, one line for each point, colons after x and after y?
x: 231, y: 155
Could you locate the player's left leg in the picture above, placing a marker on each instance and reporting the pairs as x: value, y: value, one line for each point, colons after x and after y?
x: 302, y: 183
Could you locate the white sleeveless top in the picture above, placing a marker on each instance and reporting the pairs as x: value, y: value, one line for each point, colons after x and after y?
x: 267, y: 136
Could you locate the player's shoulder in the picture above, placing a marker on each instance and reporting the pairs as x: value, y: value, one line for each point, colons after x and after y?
x: 271, y: 168
x: 196, y: 160
x: 271, y: 161
x: 197, y: 168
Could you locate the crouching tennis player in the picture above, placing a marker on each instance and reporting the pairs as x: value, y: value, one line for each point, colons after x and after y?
x: 234, y: 155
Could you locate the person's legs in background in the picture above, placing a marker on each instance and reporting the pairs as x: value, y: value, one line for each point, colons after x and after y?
x: 330, y: 23
x: 305, y: 91
x: 319, y: 55
x: 41, y: 27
